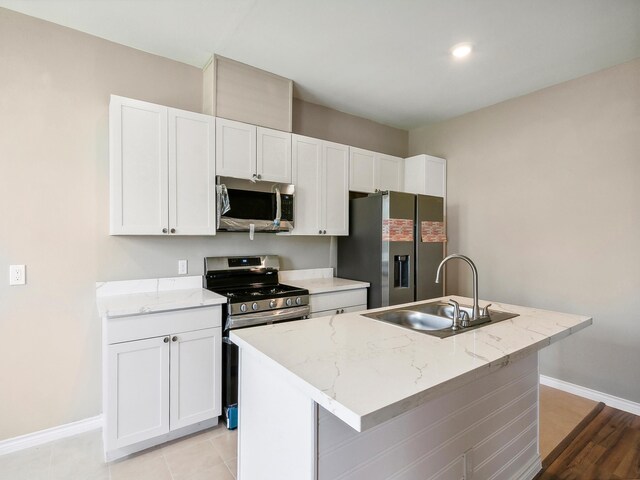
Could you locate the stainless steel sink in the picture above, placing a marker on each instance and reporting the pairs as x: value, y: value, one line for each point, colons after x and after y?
x: 414, y: 319
x: 435, y: 318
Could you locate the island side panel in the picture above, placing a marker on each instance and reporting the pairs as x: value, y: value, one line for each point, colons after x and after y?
x: 276, y: 425
x: 487, y: 429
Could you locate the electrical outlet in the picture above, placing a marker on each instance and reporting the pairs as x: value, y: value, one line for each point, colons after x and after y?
x: 182, y: 267
x: 17, y: 275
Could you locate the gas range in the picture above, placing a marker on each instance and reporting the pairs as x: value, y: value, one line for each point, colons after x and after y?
x: 254, y: 295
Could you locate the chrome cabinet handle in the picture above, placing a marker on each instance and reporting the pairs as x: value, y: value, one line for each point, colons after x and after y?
x: 166, y: 340
x: 164, y: 230
x: 174, y: 339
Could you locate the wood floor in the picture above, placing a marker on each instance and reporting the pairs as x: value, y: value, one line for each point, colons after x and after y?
x: 607, y: 448
x: 560, y: 413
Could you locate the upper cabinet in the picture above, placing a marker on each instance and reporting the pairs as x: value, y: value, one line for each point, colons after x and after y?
x: 162, y: 170
x: 371, y: 171
x: 426, y: 175
x: 250, y: 152
x: 320, y: 174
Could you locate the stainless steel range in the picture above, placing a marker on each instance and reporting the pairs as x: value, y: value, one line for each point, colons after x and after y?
x: 254, y: 297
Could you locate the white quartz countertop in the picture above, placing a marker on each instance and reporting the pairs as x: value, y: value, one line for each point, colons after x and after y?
x: 366, y: 371
x: 319, y: 280
x: 136, y: 297
x: 326, y: 285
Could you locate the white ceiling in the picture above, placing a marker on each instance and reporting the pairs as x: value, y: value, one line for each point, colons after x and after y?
x: 387, y: 60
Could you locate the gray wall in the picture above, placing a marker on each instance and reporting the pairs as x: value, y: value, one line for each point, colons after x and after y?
x: 544, y: 196
x: 321, y: 122
x: 54, y: 93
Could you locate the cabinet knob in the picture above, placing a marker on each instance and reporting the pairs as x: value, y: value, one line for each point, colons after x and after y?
x: 342, y: 310
x: 259, y: 177
x: 166, y: 340
x: 324, y: 231
x: 320, y: 232
x: 164, y: 230
x: 174, y: 339
x: 337, y: 311
x: 173, y: 230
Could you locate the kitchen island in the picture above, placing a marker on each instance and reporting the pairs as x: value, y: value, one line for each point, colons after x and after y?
x: 349, y: 397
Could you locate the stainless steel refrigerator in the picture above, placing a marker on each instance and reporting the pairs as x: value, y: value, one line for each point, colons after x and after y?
x: 396, y: 242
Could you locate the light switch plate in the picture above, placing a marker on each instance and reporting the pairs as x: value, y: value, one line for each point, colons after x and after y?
x: 17, y: 275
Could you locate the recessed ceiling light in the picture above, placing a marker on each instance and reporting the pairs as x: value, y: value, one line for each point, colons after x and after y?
x: 461, y: 50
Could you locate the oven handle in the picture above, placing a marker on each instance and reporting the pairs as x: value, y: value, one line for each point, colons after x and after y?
x: 264, y: 318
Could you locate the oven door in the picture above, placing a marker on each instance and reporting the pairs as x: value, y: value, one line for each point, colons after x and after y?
x: 230, y: 354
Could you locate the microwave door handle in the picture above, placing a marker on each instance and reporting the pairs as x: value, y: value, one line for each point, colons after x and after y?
x: 276, y: 221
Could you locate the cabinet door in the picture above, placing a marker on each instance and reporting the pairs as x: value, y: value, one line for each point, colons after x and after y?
x: 335, y: 194
x: 273, y: 155
x: 361, y: 170
x: 192, y: 208
x: 195, y: 377
x: 389, y: 173
x: 138, y: 167
x: 138, y: 391
x: 307, y: 176
x: 235, y: 149
x: 435, y: 176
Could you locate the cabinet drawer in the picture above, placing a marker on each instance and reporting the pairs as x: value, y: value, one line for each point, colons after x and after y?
x: 125, y: 329
x: 336, y: 300
x: 325, y: 313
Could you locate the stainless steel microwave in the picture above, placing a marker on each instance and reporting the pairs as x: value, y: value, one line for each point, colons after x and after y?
x: 268, y: 206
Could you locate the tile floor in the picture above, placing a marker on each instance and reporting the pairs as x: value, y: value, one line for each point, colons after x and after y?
x: 209, y: 455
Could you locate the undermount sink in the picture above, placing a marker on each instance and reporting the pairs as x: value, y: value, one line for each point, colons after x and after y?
x: 436, y: 318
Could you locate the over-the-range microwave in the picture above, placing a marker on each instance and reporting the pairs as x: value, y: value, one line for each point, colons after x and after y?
x: 268, y: 206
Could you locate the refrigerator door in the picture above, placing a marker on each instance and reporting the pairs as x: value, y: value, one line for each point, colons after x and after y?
x: 398, y: 213
x: 428, y: 254
x: 360, y: 254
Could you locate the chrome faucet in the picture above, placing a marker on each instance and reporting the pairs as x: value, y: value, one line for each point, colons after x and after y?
x: 474, y: 270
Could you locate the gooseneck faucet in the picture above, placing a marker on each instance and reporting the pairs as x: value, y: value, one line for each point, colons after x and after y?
x: 474, y: 270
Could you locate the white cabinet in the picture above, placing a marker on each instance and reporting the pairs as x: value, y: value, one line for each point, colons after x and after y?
x: 371, y: 171
x: 165, y: 385
x: 162, y: 170
x: 250, y: 152
x: 320, y: 175
x: 426, y: 175
x: 335, y: 303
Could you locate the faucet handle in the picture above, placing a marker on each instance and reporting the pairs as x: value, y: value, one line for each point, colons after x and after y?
x: 456, y: 314
x: 485, y: 310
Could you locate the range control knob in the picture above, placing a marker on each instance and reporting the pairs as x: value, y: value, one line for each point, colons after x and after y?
x: 272, y: 304
x: 254, y: 306
x: 243, y: 307
x: 298, y: 301
x: 289, y: 302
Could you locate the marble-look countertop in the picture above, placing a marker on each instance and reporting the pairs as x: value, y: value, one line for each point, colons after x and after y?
x: 366, y: 371
x: 136, y: 297
x: 319, y: 280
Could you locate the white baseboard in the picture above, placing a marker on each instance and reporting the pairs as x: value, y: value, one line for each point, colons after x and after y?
x: 609, y: 400
x: 49, y: 435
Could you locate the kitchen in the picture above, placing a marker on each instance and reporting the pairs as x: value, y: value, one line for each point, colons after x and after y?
x: 550, y: 223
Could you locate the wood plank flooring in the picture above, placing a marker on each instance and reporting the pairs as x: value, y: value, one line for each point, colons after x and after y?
x: 560, y: 413
x: 608, y: 448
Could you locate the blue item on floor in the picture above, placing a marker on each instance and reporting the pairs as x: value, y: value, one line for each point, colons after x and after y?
x: 231, y: 413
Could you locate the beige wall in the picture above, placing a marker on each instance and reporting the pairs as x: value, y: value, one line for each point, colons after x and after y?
x: 54, y: 93
x: 544, y: 195
x: 322, y: 122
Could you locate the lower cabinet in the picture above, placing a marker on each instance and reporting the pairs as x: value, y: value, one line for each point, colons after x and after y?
x: 163, y: 384
x: 335, y: 303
